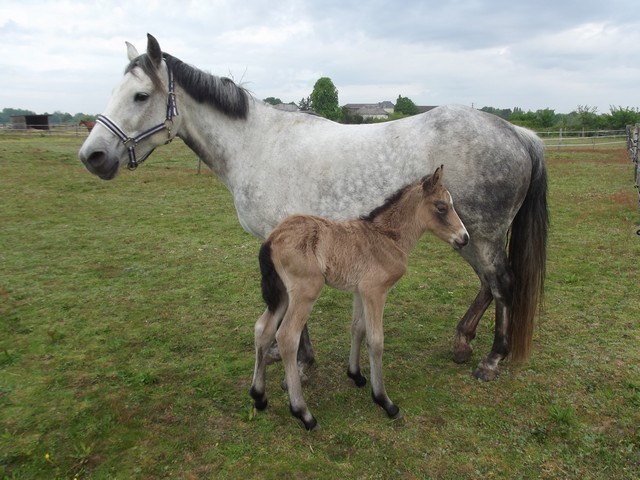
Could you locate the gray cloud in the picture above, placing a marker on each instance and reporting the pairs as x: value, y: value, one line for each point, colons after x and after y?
x: 497, y: 53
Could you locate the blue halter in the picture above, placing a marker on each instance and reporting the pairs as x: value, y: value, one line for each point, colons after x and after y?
x: 132, y: 142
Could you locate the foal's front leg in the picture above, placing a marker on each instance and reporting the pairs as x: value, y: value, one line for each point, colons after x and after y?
x: 373, y: 308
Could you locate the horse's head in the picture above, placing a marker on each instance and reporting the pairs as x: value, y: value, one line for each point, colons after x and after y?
x: 140, y: 115
x: 441, y: 218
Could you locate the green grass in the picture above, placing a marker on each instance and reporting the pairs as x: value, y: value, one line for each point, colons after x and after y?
x: 126, y: 339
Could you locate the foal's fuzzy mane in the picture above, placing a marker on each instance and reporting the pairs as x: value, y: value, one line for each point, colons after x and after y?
x: 391, y: 200
x: 220, y: 92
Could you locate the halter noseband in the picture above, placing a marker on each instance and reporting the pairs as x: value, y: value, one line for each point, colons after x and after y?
x: 132, y: 142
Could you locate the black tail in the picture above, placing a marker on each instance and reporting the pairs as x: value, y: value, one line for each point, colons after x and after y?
x: 271, y: 282
x: 528, y: 253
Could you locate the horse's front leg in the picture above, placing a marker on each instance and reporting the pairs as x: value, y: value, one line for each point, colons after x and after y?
x: 373, y: 310
x: 358, y: 330
x: 466, y: 329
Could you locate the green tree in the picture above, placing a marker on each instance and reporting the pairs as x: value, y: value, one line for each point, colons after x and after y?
x: 405, y: 106
x: 545, y: 118
x: 588, y: 117
x: 7, y: 113
x: 272, y: 101
x: 620, y: 117
x: 305, y: 104
x: 324, y: 99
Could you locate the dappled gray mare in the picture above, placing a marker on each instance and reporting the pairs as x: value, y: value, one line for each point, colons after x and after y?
x: 277, y: 163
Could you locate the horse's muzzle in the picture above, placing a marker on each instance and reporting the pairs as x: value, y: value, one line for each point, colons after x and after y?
x: 98, y: 163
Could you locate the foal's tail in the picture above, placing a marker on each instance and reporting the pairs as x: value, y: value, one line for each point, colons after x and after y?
x: 528, y: 251
x: 271, y: 282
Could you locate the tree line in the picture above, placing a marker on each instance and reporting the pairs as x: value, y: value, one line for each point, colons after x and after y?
x: 323, y: 101
x: 55, y: 117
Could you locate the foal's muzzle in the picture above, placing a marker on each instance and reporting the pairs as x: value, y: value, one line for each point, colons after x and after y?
x: 459, y: 243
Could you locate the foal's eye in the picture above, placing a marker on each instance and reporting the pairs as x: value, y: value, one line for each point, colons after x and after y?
x: 141, y: 97
x: 442, y: 208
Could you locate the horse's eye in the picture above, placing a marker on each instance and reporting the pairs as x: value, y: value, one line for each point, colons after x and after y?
x: 141, y: 97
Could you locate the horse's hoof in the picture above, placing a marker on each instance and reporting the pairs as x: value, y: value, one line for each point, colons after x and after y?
x: 462, y: 353
x: 485, y: 373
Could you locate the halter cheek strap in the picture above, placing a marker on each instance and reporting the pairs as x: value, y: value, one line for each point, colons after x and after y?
x: 132, y: 142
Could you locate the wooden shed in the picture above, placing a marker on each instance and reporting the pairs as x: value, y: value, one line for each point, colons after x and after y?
x: 24, y: 122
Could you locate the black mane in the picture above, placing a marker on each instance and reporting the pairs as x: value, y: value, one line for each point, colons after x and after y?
x: 221, y: 92
x: 391, y: 200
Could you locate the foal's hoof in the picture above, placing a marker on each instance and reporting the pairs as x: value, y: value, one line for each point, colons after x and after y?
x: 393, y: 411
x: 259, y: 399
x: 485, y: 373
x: 388, y: 406
x: 357, y: 378
x: 310, y: 423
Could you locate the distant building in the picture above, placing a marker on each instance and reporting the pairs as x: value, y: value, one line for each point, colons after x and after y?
x: 378, y: 111
x: 425, y: 108
x: 287, y: 107
x: 24, y: 122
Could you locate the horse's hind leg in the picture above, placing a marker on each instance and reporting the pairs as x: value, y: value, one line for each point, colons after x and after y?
x: 466, y: 329
x: 497, y: 283
x: 358, y: 330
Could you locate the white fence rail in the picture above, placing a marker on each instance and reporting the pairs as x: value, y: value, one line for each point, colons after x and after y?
x: 583, y: 139
x: 60, y: 129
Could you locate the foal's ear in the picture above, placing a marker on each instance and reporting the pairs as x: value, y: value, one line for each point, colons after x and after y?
x: 132, y: 52
x: 430, y: 181
x: 153, y: 50
x: 437, y: 175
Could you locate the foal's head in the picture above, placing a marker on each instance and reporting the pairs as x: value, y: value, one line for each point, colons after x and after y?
x: 438, y: 213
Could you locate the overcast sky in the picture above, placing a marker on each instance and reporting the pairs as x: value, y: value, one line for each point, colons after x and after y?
x: 69, y: 55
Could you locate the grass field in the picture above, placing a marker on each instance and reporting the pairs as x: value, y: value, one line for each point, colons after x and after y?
x: 126, y: 339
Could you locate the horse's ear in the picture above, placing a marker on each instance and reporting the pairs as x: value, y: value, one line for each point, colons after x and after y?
x: 153, y: 50
x: 131, y: 51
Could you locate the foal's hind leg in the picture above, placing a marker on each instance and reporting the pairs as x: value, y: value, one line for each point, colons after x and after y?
x: 301, y: 300
x: 358, y: 330
x: 265, y: 331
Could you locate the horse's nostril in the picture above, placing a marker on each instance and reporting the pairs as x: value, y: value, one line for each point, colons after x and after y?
x: 96, y: 158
